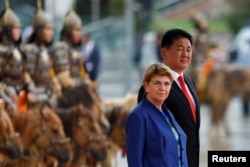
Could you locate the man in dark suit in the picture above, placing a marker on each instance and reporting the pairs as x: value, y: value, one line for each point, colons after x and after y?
x: 91, y: 56
x: 176, y: 51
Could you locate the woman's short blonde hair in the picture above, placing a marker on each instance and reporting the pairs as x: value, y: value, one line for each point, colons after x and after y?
x: 157, y: 69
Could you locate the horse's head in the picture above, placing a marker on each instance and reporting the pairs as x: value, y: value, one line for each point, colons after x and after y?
x: 87, y: 133
x: 45, y: 131
x: 10, y: 144
x: 116, y: 111
x: 85, y: 95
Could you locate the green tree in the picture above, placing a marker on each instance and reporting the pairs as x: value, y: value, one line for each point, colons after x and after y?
x: 83, y: 9
x: 239, y: 14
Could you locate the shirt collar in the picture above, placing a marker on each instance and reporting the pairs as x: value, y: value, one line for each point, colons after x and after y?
x: 176, y: 75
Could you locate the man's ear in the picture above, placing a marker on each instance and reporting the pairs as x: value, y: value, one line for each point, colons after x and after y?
x: 163, y: 52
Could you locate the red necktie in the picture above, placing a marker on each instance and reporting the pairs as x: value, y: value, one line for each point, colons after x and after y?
x: 185, y: 91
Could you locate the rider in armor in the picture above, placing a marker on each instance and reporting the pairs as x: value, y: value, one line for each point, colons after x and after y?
x: 42, y: 82
x: 11, y: 61
x: 66, y: 56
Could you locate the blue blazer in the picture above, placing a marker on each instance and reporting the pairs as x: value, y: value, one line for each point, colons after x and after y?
x: 150, y: 142
x: 178, y: 104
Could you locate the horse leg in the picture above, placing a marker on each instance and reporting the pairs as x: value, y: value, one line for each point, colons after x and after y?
x: 245, y: 106
x: 223, y: 120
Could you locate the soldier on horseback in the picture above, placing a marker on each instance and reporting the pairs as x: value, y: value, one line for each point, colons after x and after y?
x: 42, y: 82
x: 66, y: 58
x: 11, y: 61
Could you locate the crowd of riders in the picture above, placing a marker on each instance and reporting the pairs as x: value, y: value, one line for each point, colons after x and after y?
x: 34, y: 69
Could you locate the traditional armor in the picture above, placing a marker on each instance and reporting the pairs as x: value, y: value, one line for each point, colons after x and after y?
x: 11, y: 67
x: 11, y: 63
x: 66, y: 57
x: 37, y: 64
x: 67, y: 65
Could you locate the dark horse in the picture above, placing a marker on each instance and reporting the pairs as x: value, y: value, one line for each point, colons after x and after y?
x: 82, y: 112
x: 222, y: 85
x: 83, y: 94
x: 88, y: 138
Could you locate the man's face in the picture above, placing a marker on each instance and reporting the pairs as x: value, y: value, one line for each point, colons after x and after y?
x: 16, y: 33
x: 76, y: 36
x: 47, y: 34
x: 179, y: 55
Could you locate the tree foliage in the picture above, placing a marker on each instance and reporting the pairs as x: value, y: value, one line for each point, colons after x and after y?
x: 239, y: 15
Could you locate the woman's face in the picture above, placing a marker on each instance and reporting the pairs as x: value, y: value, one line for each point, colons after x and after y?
x: 16, y: 33
x: 76, y: 36
x: 158, y: 88
x: 47, y: 34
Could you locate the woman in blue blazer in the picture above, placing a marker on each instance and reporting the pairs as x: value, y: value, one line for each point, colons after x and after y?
x: 153, y: 137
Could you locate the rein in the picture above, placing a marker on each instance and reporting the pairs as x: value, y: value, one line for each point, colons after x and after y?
x: 44, y: 131
x: 95, y: 138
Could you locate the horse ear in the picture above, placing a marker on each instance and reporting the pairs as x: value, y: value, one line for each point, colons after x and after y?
x: 42, y: 118
x: 83, y: 111
x: 43, y: 113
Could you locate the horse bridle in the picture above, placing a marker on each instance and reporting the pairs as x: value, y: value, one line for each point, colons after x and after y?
x: 3, y: 143
x: 43, y: 131
x: 95, y: 138
x: 5, y: 138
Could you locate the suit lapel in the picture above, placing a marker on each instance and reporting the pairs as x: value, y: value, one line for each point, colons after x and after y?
x: 177, y: 90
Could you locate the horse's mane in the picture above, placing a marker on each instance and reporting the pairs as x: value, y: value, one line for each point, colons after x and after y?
x: 22, y: 119
x: 78, y: 95
x: 70, y: 115
x: 67, y: 116
x: 6, y: 119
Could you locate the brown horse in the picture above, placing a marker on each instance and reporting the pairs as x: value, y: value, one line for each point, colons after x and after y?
x: 117, y: 110
x: 222, y: 85
x: 88, y: 138
x: 43, y: 138
x: 10, y: 144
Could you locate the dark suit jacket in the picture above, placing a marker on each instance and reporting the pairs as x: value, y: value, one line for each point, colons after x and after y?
x: 179, y: 106
x: 95, y: 59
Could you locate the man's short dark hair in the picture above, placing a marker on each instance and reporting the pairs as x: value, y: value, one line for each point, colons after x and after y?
x: 173, y: 34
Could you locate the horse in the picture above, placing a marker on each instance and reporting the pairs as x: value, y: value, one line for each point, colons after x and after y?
x: 43, y: 137
x: 10, y: 143
x: 222, y: 85
x: 84, y: 94
x: 88, y: 138
x: 117, y: 111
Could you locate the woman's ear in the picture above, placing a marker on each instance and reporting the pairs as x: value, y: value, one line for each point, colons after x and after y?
x: 145, y: 86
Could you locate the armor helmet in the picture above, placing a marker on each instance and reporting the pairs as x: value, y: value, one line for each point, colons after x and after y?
x: 71, y: 21
x: 40, y: 21
x: 200, y: 21
x: 41, y: 18
x: 8, y: 21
